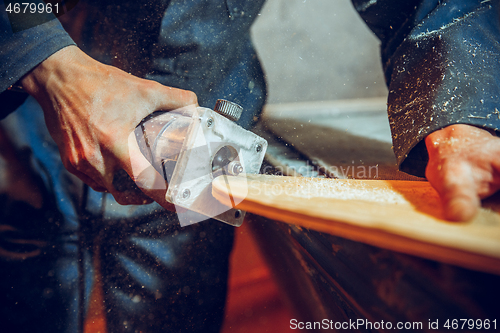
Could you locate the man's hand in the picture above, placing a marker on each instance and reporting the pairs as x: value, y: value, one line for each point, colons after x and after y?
x: 464, y: 167
x: 90, y: 110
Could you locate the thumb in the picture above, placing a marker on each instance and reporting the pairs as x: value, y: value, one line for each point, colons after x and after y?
x: 458, y: 191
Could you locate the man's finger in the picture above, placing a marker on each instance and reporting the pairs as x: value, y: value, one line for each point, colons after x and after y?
x: 460, y: 206
x: 126, y: 191
x: 457, y: 188
x: 86, y: 179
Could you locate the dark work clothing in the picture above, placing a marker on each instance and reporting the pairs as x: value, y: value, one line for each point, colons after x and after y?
x: 441, y: 60
x: 209, y: 51
x: 23, y: 50
x: 157, y: 276
x: 201, y: 45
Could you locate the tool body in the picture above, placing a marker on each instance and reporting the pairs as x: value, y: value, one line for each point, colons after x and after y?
x: 190, y: 147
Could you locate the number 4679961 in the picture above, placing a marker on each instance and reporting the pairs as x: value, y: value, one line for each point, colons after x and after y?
x: 471, y: 324
x: 31, y: 8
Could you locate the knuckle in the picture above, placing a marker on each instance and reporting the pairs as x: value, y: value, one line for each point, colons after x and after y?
x: 155, y: 91
x: 72, y: 161
x: 190, y: 97
x: 81, y: 162
x: 151, y: 85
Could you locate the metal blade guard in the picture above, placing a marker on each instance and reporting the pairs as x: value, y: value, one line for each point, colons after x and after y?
x: 190, y: 147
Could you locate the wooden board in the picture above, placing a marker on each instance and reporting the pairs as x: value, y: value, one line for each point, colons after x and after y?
x: 403, y: 216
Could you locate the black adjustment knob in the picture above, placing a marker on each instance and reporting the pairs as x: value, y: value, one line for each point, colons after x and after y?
x: 230, y: 110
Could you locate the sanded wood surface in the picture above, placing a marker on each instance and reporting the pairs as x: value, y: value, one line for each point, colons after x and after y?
x: 404, y: 216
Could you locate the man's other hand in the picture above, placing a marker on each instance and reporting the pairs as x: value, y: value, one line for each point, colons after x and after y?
x: 464, y: 167
x: 90, y: 110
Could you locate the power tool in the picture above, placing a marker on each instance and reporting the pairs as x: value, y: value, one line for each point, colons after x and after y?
x: 190, y: 147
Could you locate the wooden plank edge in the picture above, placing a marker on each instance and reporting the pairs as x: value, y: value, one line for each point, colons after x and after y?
x: 379, y: 238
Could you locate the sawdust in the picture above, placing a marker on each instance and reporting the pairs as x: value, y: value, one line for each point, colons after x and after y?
x: 334, y: 189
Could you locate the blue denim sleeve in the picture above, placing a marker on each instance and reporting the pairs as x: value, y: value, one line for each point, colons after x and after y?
x: 441, y: 60
x: 22, y: 49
